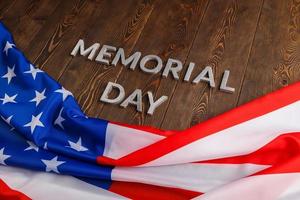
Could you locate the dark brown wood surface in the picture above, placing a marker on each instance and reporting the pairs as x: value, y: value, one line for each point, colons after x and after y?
x: 257, y: 40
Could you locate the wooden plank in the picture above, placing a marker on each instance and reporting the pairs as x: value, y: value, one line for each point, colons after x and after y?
x: 167, y: 86
x: 220, y: 102
x: 26, y: 25
x: 60, y: 23
x: 169, y: 32
x: 47, y: 37
x: 5, y: 5
x: 57, y: 57
x: 13, y: 13
x: 274, y: 61
x: 38, y: 34
x: 223, y: 42
x: 120, y: 26
x: 36, y: 22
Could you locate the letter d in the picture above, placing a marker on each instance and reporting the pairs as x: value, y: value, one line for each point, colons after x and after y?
x: 107, y: 91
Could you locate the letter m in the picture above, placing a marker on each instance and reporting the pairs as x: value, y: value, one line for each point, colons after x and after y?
x: 84, y: 52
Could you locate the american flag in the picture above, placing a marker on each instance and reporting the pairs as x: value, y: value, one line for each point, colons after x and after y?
x: 250, y: 153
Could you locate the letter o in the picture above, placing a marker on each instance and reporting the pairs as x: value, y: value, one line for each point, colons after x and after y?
x: 148, y: 58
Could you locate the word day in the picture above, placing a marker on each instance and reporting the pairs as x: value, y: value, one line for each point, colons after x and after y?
x: 135, y: 98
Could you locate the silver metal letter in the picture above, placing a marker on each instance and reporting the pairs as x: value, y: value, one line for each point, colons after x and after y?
x: 107, y: 91
x: 174, y: 70
x: 133, y: 59
x: 224, y: 86
x: 147, y: 58
x: 207, y: 76
x: 137, y: 94
x: 104, y: 53
x: 189, y: 72
x: 84, y: 52
x: 155, y: 104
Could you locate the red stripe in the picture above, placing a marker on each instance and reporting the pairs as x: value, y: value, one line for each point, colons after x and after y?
x: 9, y: 194
x: 150, y: 192
x: 290, y: 166
x: 253, y: 109
x: 283, y: 154
x: 280, y: 150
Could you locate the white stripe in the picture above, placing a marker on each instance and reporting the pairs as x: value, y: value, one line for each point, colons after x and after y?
x: 121, y: 140
x: 292, y: 193
x: 195, y: 177
x: 48, y: 186
x: 262, y: 187
x: 240, y: 139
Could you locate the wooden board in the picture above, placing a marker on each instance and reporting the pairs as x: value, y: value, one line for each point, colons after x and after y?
x: 258, y: 41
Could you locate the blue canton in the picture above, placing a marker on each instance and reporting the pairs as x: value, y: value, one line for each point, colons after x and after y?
x: 41, y: 126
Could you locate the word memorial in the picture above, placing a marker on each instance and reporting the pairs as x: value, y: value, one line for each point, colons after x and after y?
x: 151, y: 64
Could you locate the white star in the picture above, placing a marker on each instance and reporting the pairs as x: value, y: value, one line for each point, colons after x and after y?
x: 77, y: 146
x: 31, y: 146
x: 35, y: 121
x: 8, y: 99
x: 3, y: 157
x: 39, y: 96
x: 8, y: 46
x: 76, y: 116
x: 10, y: 74
x: 45, y: 146
x: 65, y: 93
x: 8, y: 120
x: 51, y: 165
x: 33, y: 71
x: 59, y: 119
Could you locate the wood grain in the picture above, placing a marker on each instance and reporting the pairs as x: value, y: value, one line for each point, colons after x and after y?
x: 274, y: 61
x: 224, y: 42
x: 258, y: 41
